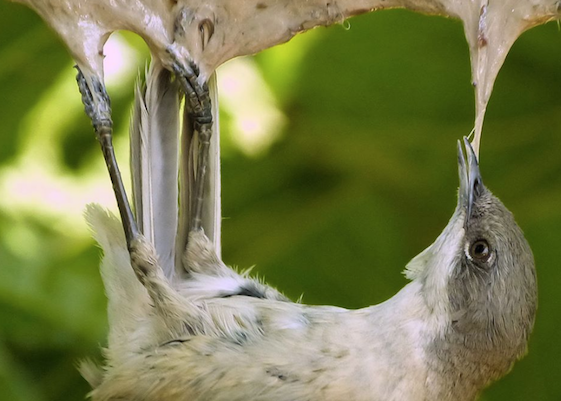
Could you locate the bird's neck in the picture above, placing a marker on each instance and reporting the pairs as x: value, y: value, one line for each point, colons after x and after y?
x: 461, y: 368
x: 458, y: 365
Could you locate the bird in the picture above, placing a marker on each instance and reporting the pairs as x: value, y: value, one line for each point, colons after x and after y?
x: 201, y: 331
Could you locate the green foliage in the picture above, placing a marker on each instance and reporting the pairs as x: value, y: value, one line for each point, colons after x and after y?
x: 361, y: 178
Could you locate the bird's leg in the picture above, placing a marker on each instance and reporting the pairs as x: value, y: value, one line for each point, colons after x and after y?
x: 98, y: 107
x: 197, y: 102
x: 175, y: 315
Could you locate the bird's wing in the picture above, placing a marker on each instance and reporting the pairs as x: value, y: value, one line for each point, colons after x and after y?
x: 154, y: 148
x: 209, y: 277
x: 163, y: 182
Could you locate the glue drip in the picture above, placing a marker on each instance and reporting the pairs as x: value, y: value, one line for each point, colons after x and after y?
x: 491, y: 28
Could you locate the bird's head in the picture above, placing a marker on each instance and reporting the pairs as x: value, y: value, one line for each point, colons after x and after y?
x: 478, y: 278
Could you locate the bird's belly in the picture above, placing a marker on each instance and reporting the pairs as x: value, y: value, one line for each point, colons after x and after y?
x: 211, y: 369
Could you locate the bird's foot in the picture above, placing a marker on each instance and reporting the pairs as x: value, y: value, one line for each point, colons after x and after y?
x: 197, y: 96
x: 200, y: 255
x: 177, y: 314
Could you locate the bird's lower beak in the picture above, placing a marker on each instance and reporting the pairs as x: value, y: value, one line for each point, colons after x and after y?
x: 471, y: 184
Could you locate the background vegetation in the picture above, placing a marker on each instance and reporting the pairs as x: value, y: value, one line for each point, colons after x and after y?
x: 339, y: 166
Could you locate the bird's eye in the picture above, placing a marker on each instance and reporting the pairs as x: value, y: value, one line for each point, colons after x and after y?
x: 480, y: 250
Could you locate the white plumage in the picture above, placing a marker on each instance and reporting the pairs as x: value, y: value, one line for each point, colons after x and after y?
x: 307, y: 352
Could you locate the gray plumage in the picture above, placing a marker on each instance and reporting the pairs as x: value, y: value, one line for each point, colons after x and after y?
x: 216, y: 335
x: 154, y: 159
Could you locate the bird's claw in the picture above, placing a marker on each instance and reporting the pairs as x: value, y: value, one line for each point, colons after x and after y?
x: 97, y: 103
x: 196, y: 94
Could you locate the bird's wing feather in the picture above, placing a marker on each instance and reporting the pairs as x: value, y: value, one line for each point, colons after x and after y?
x: 154, y: 162
x: 191, y: 261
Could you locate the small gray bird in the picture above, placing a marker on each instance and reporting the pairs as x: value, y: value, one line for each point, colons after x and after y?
x: 207, y: 333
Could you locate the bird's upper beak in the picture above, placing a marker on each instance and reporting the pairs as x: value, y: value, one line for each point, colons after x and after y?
x: 471, y: 184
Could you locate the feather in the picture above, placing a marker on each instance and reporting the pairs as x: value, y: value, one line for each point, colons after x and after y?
x: 128, y: 299
x: 154, y: 162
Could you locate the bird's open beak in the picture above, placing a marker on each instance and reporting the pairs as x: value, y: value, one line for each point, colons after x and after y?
x: 471, y: 184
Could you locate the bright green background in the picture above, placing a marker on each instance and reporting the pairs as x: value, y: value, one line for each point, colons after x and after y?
x: 362, y: 178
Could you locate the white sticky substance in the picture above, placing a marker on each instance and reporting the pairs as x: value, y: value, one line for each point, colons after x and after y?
x: 241, y: 27
x: 85, y: 25
x: 491, y: 28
